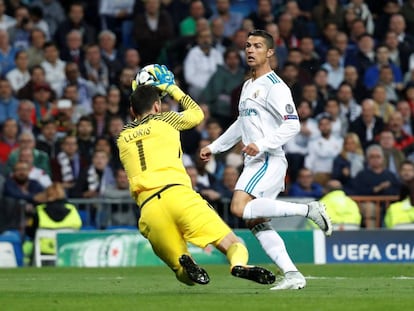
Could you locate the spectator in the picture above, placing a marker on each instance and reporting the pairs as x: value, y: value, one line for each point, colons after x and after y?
x: 232, y: 20
x: 110, y: 55
x: 351, y: 77
x: 37, y: 20
x: 132, y: 59
x: 305, y: 186
x: 382, y: 22
x: 372, y: 73
x: 398, y: 25
x: 339, y: 123
x: 295, y: 56
x: 85, y: 137
x: 325, y: 91
x: 345, y: 48
x: 55, y: 213
x: 117, y: 16
x: 121, y: 214
x: 334, y: 68
x: 350, y: 109
x: 19, y: 33
x: 397, y: 55
x: 364, y: 55
x: 94, y: 181
x: 19, y: 76
x: 375, y: 180
x: 383, y: 108
x: 367, y: 126
x: 48, y: 139
x: 406, y: 175
x: 35, y: 49
x: 116, y: 124
x: 220, y: 41
x: 95, y: 70
x: 68, y: 164
x: 218, y: 89
x: 310, y: 59
x: 7, y: 53
x: 200, y: 63
x: 343, y: 211
x: 152, y: 29
x: 327, y: 39
x: 99, y: 115
x: 24, y: 117
x: 357, y: 29
x: 363, y: 13
x: 393, y: 157
x: 6, y: 21
x: 350, y: 161
x: 188, y: 25
x: 404, y: 107
x: 322, y: 151
x: 8, y: 103
x: 402, y: 139
x: 114, y: 103
x: 263, y: 15
x: 73, y: 50
x: 386, y: 79
x: 45, y: 108
x: 40, y: 158
x: 53, y: 13
x: 19, y: 186
x: 290, y: 75
x: 8, y: 141
x: 287, y: 32
x: 75, y: 22
x: 310, y: 94
x: 35, y: 173
x: 37, y: 77
x: 328, y: 11
x: 86, y: 89
x: 300, y: 21
x: 54, y: 67
x: 281, y: 49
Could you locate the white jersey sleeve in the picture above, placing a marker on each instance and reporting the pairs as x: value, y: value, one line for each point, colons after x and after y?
x: 280, y: 104
x: 228, y: 139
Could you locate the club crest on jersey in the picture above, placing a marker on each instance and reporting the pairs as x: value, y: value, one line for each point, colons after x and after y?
x: 256, y: 94
x: 289, y: 108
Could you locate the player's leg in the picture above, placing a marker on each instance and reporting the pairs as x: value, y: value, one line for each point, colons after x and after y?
x: 265, y: 181
x: 269, y: 183
x: 168, y: 243
x: 202, y: 226
x: 237, y: 255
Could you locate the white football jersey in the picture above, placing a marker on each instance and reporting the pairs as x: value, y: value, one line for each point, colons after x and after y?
x: 267, y: 117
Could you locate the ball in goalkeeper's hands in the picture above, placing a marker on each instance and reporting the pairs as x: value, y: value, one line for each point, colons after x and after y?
x: 148, y: 76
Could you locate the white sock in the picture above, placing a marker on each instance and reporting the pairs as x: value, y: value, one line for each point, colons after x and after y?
x: 275, y: 248
x: 268, y: 208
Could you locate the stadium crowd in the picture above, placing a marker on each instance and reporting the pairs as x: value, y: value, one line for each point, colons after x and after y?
x: 65, y: 78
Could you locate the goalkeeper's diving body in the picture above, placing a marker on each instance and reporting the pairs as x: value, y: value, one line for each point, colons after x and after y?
x: 172, y: 213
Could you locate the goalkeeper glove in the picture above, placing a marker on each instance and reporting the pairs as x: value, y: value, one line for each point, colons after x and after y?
x: 165, y: 82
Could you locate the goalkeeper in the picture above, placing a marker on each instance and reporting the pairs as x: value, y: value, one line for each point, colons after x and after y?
x: 172, y: 213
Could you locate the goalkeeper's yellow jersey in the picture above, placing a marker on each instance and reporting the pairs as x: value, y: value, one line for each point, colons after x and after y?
x: 150, y: 149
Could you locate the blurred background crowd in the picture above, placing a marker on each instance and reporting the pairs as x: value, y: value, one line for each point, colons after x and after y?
x: 66, y: 69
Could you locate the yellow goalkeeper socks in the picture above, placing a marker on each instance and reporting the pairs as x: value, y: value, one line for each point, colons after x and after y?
x: 237, y: 255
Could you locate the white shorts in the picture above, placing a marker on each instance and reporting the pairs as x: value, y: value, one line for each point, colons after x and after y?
x: 263, y: 177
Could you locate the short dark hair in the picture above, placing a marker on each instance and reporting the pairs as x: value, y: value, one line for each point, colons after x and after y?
x: 143, y: 97
x: 264, y: 34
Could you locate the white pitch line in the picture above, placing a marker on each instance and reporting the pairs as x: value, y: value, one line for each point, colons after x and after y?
x: 402, y: 277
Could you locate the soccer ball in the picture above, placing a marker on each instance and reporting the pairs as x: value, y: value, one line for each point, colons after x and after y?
x: 146, y: 76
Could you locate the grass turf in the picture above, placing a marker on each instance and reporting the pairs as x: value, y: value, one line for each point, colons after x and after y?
x: 330, y: 287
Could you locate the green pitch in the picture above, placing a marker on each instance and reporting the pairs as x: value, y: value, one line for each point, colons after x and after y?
x: 330, y: 287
